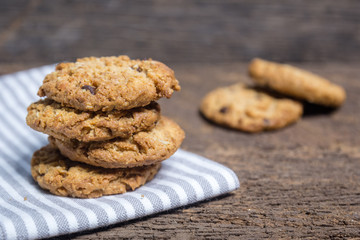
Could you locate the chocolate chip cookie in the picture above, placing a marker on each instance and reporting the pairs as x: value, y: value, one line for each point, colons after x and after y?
x: 142, y: 148
x: 296, y: 82
x: 50, y: 117
x: 54, y: 172
x: 107, y: 83
x: 248, y: 109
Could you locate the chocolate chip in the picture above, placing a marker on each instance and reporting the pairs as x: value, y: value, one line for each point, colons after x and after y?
x: 137, y: 68
x: 223, y: 109
x: 266, y: 122
x: 90, y: 88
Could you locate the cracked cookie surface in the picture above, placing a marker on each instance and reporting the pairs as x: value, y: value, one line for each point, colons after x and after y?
x: 142, y: 148
x: 296, y: 82
x: 107, y: 83
x: 50, y: 117
x: 63, y: 177
x: 247, y: 109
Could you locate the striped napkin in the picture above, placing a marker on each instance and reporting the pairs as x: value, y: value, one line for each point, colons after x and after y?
x: 28, y: 212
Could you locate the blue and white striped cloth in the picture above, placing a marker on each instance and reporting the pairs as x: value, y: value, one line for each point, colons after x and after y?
x: 28, y: 212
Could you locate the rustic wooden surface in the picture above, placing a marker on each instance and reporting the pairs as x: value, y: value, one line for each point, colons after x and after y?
x: 302, y: 181
x: 299, y: 182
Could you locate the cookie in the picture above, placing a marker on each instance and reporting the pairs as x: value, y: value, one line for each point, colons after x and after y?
x: 107, y: 83
x: 143, y: 148
x: 51, y: 118
x: 63, y: 177
x: 297, y: 83
x: 249, y: 110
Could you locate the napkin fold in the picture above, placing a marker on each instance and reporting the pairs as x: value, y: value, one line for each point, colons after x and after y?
x: 28, y: 212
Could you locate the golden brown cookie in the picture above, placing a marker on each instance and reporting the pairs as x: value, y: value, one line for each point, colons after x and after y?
x: 63, y: 177
x: 107, y: 83
x: 249, y: 110
x: 63, y: 123
x: 143, y: 148
x: 297, y: 83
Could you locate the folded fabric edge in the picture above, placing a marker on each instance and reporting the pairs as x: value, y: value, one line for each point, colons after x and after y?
x: 148, y: 215
x: 231, y: 176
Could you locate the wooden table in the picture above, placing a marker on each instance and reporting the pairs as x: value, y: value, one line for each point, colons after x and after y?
x: 299, y: 182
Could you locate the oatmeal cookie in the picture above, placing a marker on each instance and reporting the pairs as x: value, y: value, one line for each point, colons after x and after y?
x: 297, y: 83
x: 250, y: 110
x: 63, y: 177
x: 142, y: 148
x: 107, y: 83
x: 50, y: 117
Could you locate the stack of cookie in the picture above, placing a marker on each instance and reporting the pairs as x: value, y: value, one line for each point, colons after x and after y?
x: 107, y: 135
x: 255, y: 108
